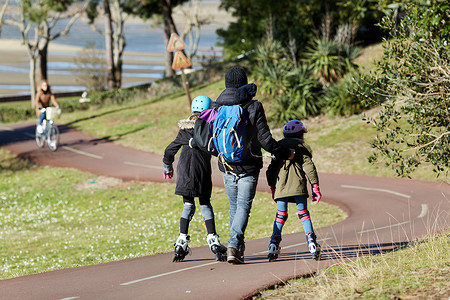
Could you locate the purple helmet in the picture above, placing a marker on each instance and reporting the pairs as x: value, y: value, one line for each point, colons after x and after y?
x: 294, y: 126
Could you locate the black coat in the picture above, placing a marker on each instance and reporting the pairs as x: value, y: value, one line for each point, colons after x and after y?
x: 194, y: 165
x: 258, y: 131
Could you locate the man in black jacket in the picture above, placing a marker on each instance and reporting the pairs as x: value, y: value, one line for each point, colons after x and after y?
x: 240, y: 179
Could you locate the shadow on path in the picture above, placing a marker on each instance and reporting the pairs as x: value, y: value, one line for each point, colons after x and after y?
x: 336, y: 253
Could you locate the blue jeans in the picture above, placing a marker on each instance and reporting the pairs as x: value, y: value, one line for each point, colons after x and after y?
x: 42, y: 117
x: 240, y: 190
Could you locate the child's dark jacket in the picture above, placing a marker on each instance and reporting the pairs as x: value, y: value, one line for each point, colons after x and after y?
x: 194, y: 165
x: 289, y: 176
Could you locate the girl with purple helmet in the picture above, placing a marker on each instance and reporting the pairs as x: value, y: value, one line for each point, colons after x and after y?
x: 287, y: 181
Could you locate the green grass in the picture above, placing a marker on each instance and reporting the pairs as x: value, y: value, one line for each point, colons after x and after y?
x: 45, y: 225
x: 369, y: 56
x: 420, y: 271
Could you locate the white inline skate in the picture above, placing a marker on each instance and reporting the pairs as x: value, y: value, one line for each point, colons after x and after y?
x: 219, y: 250
x: 181, y: 248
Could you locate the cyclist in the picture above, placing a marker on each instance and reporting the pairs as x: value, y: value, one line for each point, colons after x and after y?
x: 43, y: 98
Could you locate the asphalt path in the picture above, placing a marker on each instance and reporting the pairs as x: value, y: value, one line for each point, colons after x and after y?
x: 383, y: 214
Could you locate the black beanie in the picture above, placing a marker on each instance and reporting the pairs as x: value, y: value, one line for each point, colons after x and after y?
x: 235, y: 77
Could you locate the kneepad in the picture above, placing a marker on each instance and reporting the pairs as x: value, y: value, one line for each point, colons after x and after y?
x: 281, y: 217
x: 188, y: 210
x: 207, y: 211
x: 303, y: 215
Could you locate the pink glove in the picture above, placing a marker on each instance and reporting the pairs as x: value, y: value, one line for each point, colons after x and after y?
x: 167, y: 171
x: 316, y: 195
x: 168, y: 175
x: 272, y: 189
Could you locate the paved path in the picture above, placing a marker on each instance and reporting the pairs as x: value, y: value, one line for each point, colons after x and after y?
x: 383, y: 213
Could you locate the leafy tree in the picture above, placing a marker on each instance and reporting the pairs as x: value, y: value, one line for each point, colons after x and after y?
x: 298, y: 22
x: 36, y: 21
x: 281, y: 20
x: 412, y: 86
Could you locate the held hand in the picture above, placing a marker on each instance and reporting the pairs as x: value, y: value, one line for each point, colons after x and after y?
x: 316, y: 195
x: 272, y: 189
x: 168, y: 171
x: 292, y: 154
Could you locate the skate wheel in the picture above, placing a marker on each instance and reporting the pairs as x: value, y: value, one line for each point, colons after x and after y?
x: 177, y: 258
x: 272, y: 257
x: 221, y: 256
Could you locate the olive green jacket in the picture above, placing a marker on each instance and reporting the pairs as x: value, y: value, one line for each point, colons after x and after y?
x: 289, y: 176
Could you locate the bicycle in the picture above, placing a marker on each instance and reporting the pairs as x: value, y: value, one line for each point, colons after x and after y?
x: 50, y: 132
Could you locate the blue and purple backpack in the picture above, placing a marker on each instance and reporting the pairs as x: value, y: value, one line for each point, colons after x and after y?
x: 203, y: 131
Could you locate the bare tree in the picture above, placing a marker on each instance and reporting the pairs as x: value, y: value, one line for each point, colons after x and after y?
x: 36, y: 20
x: 192, y: 28
x: 2, y: 13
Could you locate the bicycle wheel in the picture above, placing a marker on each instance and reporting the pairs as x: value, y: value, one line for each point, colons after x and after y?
x: 40, y: 138
x: 53, y: 137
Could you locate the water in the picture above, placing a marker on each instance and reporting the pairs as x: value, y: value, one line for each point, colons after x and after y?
x: 139, y: 36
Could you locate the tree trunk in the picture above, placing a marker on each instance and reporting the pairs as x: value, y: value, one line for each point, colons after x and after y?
x: 169, y: 28
x: 110, y: 77
x: 32, y: 81
x: 2, y: 13
x: 119, y: 40
x: 43, y: 61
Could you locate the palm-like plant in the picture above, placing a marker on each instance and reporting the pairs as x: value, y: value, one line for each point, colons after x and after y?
x: 271, y: 68
x: 330, y: 60
x: 300, y: 98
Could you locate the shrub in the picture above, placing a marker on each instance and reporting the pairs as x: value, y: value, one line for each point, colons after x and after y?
x: 340, y: 100
x: 413, y: 80
x: 330, y: 60
x: 292, y: 88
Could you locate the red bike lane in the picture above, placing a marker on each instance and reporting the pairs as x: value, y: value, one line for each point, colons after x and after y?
x: 383, y: 213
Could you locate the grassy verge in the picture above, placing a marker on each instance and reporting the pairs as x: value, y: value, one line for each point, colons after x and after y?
x: 420, y: 271
x: 45, y: 226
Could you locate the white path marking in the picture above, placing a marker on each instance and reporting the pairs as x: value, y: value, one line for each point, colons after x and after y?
x: 291, y: 246
x: 70, y: 298
x: 142, y: 165
x: 384, y: 227
x: 375, y: 189
x: 6, y: 128
x: 82, y: 152
x: 424, y: 211
x: 168, y: 273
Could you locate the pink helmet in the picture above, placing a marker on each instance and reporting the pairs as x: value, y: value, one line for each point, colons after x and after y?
x: 294, y: 126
